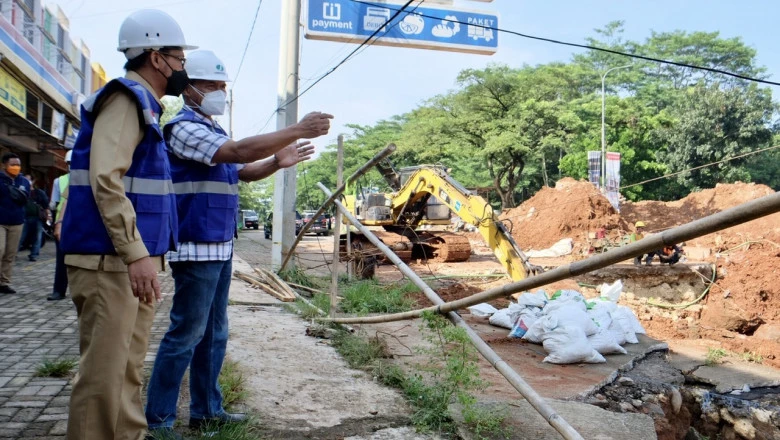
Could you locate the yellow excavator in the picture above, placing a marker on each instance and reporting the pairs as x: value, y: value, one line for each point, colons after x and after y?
x: 423, y: 200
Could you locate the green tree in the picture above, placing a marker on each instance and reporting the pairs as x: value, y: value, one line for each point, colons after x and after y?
x: 712, y: 124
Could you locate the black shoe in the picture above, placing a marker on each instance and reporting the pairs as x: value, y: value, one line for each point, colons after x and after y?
x: 221, y: 419
x: 163, y: 434
x: 6, y: 289
x: 32, y: 258
x: 55, y: 296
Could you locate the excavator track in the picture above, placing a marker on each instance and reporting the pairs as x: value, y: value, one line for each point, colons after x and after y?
x: 367, y: 256
x: 441, y: 247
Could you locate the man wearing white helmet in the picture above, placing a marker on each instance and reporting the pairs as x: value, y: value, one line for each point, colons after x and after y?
x: 121, y: 223
x: 206, y: 166
x: 58, y: 196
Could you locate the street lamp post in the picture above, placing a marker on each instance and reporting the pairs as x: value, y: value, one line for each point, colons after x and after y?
x: 603, y: 129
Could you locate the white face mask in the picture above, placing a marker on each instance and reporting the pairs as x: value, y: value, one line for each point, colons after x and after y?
x: 213, y: 103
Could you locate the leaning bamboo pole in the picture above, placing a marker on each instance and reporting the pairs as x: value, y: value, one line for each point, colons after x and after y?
x: 549, y: 414
x: 388, y: 150
x: 725, y: 219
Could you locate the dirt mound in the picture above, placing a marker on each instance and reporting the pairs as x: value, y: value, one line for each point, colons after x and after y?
x: 570, y: 210
x: 664, y: 215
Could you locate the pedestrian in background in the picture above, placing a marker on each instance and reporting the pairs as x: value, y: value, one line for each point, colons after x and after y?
x: 119, y: 221
x: 206, y: 166
x: 36, y: 212
x: 58, y: 198
x: 14, y: 191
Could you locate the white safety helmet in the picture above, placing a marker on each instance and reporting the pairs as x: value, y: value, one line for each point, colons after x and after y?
x: 68, y: 155
x: 204, y: 64
x: 149, y: 29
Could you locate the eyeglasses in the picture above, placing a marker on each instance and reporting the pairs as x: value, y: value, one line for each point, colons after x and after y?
x: 182, y: 60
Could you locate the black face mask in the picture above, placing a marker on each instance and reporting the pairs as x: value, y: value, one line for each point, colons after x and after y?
x: 177, y: 82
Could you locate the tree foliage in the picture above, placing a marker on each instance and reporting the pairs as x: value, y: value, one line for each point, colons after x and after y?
x: 515, y: 129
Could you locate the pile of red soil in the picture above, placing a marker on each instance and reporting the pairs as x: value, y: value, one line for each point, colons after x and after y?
x: 570, y: 210
x: 664, y: 215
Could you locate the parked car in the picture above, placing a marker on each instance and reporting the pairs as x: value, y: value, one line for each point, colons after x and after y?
x: 321, y: 225
x: 251, y: 219
x: 269, y: 224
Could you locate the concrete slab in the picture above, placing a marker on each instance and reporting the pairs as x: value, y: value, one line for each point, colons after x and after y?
x: 242, y: 293
x: 733, y: 376
x: 558, y: 381
x: 688, y: 355
x: 589, y: 421
x: 549, y: 380
x: 300, y: 384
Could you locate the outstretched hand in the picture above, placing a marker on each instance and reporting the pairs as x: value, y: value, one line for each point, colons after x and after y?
x: 314, y: 124
x: 294, y: 154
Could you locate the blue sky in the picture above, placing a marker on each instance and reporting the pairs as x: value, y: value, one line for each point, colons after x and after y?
x: 386, y: 81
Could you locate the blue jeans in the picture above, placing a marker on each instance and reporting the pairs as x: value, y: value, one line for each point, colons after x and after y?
x: 196, y: 338
x: 33, y: 227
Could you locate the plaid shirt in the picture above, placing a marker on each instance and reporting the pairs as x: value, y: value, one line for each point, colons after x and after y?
x: 198, y: 142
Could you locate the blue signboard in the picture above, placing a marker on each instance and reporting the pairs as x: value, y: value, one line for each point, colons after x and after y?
x: 429, y: 27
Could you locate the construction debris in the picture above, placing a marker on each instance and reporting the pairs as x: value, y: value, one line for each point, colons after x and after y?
x: 269, y: 283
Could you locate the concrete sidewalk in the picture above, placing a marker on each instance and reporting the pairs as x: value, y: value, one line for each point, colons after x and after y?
x: 34, y: 330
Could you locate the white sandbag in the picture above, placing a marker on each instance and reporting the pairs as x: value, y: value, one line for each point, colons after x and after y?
x: 612, y: 291
x: 536, y: 299
x: 621, y: 324
x: 482, y: 310
x: 604, y: 304
x: 636, y: 326
x: 559, y: 249
x: 566, y: 294
x: 515, y: 310
x: 601, y: 317
x: 605, y: 343
x: 571, y: 314
x: 552, y: 306
x: 543, y: 325
x: 527, y: 318
x: 568, y: 345
x: 501, y: 319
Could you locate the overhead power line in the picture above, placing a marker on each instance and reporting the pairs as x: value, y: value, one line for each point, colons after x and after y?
x: 340, y: 63
x: 587, y: 46
x: 248, y: 40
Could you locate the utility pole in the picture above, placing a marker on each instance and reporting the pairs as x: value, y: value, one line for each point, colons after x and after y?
x: 285, y: 183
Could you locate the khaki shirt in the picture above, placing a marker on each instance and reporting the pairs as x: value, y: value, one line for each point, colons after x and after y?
x: 116, y: 135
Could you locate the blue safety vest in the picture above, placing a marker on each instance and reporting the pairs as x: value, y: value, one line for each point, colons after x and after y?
x: 206, y: 195
x: 147, y: 183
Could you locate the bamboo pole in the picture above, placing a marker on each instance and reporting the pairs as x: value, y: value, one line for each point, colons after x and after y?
x: 388, y: 150
x: 549, y: 414
x: 725, y: 219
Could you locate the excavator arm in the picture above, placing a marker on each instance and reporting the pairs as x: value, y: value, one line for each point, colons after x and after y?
x: 471, y: 208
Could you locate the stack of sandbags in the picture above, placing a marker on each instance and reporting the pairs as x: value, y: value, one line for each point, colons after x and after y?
x: 570, y: 328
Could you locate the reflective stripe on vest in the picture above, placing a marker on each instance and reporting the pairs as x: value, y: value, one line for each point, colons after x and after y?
x: 135, y: 185
x: 206, y: 187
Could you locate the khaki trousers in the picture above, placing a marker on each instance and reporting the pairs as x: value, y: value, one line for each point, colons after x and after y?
x: 9, y: 246
x: 114, y: 327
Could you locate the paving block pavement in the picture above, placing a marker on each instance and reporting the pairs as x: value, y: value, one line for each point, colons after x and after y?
x: 34, y: 330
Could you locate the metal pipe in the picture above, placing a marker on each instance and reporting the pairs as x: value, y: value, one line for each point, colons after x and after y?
x: 388, y: 150
x: 549, y: 414
x: 731, y: 217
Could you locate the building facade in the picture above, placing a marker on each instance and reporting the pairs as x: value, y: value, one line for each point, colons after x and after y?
x: 44, y: 78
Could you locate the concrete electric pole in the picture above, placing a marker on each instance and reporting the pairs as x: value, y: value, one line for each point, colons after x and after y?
x: 285, y: 183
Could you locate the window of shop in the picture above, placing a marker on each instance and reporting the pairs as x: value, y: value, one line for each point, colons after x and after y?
x: 33, y: 110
